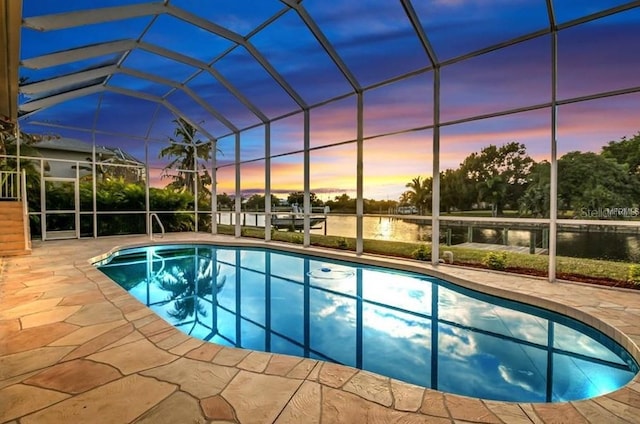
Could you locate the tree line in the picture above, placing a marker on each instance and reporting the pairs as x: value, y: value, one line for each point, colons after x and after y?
x: 505, y: 177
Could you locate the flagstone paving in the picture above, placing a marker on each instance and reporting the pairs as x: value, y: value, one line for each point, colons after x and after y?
x: 76, y: 348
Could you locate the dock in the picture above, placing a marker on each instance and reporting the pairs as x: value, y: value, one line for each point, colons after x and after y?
x: 501, y: 247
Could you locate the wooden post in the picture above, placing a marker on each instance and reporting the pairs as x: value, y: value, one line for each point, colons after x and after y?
x: 532, y: 242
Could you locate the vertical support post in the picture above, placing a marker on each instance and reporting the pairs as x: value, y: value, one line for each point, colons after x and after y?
x: 359, y: 174
x: 267, y: 181
x: 553, y: 194
x: 43, y: 204
x: 434, y: 336
x: 94, y: 186
x: 435, y: 196
x: 196, y: 183
x: 238, y: 200
x: 214, y: 188
x: 76, y: 200
x: 359, y: 318
x: 147, y: 199
x: 307, y: 180
x: 470, y: 234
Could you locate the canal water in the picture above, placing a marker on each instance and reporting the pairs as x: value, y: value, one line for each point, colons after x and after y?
x: 580, y: 244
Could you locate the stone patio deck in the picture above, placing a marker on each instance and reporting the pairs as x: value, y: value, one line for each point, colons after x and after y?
x: 76, y: 348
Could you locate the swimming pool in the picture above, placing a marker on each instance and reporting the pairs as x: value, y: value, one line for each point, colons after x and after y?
x: 407, y: 326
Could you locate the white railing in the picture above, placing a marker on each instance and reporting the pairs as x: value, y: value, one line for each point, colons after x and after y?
x: 9, y: 185
x: 151, y: 216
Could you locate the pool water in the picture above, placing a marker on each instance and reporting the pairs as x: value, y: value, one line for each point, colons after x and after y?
x: 407, y: 326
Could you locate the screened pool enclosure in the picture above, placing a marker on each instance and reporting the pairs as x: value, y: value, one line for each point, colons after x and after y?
x: 508, y: 126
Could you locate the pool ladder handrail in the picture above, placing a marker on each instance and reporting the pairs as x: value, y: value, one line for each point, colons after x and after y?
x: 151, y: 216
x: 157, y: 256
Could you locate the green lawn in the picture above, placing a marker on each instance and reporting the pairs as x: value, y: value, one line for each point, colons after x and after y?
x: 515, y: 262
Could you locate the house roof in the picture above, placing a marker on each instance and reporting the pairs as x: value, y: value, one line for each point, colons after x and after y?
x: 73, y: 145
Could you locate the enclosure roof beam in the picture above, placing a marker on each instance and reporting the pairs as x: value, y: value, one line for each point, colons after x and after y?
x: 185, y: 89
x: 91, y: 16
x: 81, y: 53
x: 58, y: 98
x: 65, y: 80
x: 324, y: 42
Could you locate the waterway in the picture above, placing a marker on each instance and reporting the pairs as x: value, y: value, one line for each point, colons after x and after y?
x: 595, y: 244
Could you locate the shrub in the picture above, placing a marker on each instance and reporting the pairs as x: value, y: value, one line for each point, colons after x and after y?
x: 422, y: 253
x: 342, y: 243
x: 634, y: 274
x: 495, y: 260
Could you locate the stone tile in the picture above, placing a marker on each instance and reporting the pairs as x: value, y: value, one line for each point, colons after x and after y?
x: 335, y: 375
x: 34, y: 307
x: 407, y: 397
x: 259, y: 398
x: 57, y: 314
x: 67, y: 289
x: 595, y: 413
x: 177, y: 408
x: 84, y: 334
x: 145, y: 320
x: 255, y: 362
x: 527, y: 408
x: 92, y: 296
x: 15, y: 299
x: 187, y: 346
x: 339, y: 407
x: 200, y: 379
x: 468, y: 409
x: 626, y: 395
x: 74, y: 376
x: 30, y: 282
x: 36, y: 337
x: 162, y: 335
x: 97, y: 343
x: 230, y: 356
x: 9, y: 326
x: 174, y: 339
x: 206, y: 352
x: 142, y: 312
x: 19, y: 400
x: 370, y: 386
x: 120, y: 401
x: 304, y: 407
x: 133, y: 336
x: 558, y: 413
x: 282, y: 364
x: 314, y: 375
x: 508, y: 412
x: 146, y: 356
x: 217, y: 408
x: 30, y: 360
x: 622, y: 410
x: 154, y: 326
x: 96, y: 313
x: 17, y: 379
x: 303, y: 369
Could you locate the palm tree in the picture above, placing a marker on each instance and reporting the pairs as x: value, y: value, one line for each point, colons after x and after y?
x: 494, y: 191
x: 419, y: 194
x: 185, y: 151
x: 186, y: 286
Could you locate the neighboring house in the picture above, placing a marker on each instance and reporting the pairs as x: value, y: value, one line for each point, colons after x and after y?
x: 63, y: 154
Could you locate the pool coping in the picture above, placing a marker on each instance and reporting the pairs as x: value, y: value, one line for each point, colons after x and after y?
x: 334, y: 392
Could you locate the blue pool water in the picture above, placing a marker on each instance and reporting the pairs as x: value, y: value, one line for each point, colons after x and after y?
x: 410, y: 327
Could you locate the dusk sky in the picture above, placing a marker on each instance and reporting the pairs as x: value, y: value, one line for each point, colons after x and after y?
x: 376, y: 42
